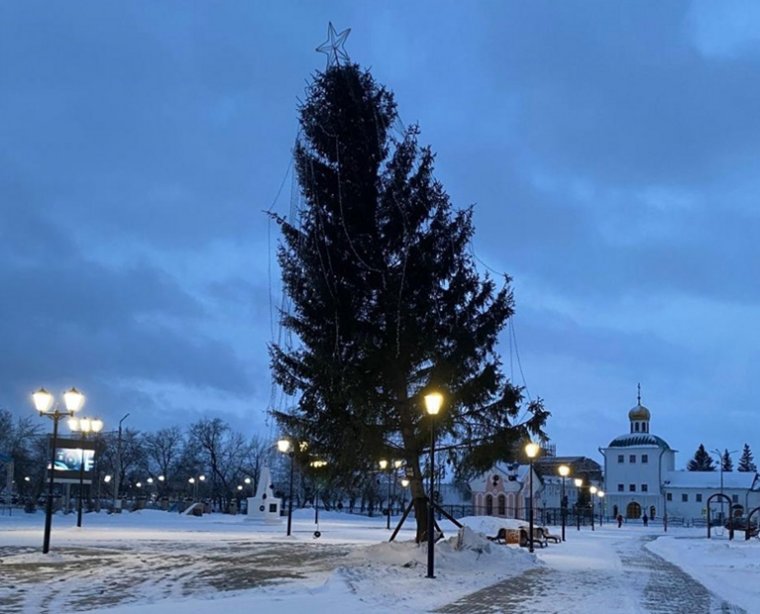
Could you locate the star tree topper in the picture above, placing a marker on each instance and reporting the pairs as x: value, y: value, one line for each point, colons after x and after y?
x: 333, y: 46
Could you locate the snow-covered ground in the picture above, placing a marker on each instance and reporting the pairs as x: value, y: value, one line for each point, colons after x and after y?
x: 151, y: 562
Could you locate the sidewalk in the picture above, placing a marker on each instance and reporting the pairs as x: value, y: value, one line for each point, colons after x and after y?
x: 640, y: 582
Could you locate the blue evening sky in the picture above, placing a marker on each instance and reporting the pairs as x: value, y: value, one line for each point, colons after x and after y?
x: 612, y: 150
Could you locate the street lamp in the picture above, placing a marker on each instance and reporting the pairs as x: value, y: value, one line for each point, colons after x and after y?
x: 433, y: 403
x: 564, y: 471
x: 119, y: 471
x: 43, y: 403
x: 194, y: 482
x: 397, y: 464
x: 720, y: 460
x: 600, y: 494
x: 592, y: 490
x: 578, y: 483
x: 83, y: 426
x: 404, y: 485
x: 531, y: 450
x: 317, y: 464
x: 286, y: 447
x: 384, y: 464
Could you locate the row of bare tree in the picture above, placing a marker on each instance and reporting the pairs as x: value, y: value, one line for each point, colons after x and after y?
x: 229, y: 463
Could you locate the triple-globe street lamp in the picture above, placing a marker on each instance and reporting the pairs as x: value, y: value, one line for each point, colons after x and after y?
x: 84, y: 426
x: 44, y: 404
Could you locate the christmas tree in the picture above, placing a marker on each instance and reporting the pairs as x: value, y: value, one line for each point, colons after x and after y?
x: 387, y: 302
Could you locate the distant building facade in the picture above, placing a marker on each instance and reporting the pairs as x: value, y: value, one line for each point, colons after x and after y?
x: 640, y: 478
x: 504, y: 490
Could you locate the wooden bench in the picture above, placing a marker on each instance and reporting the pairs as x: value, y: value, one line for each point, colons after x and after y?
x: 500, y: 537
x: 550, y: 537
x: 538, y: 537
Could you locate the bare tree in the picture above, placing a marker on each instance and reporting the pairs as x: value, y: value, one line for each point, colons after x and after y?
x: 223, y: 452
x: 163, y: 450
x: 258, y: 453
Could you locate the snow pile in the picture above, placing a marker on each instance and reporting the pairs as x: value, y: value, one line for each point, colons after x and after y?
x: 490, y: 525
x: 394, y: 574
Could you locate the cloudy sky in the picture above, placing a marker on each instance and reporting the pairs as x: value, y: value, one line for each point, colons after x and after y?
x: 612, y: 150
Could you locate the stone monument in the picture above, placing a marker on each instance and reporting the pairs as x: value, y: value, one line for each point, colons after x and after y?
x: 264, y: 506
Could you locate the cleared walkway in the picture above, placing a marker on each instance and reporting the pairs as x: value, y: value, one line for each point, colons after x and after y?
x: 641, y: 582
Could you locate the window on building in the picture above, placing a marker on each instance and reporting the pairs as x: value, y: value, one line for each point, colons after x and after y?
x: 644, y: 488
x: 685, y: 498
x: 632, y: 458
x: 669, y: 496
x: 636, y: 427
x: 645, y: 458
x: 621, y: 488
x: 621, y: 458
x: 632, y: 487
x: 735, y: 498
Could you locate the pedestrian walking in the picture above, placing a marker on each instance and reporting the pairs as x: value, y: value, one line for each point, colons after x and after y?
x: 620, y: 520
x: 645, y: 519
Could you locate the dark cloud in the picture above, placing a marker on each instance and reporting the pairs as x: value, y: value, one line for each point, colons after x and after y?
x: 610, y: 148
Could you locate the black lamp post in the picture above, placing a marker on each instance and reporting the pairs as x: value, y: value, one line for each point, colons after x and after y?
x: 286, y: 447
x: 317, y: 464
x: 564, y: 471
x: 404, y: 485
x: 592, y: 490
x: 43, y: 402
x: 531, y: 450
x: 433, y: 402
x: 83, y: 426
x: 195, y: 483
x: 384, y: 464
x: 578, y: 483
x: 118, y: 472
x: 600, y: 494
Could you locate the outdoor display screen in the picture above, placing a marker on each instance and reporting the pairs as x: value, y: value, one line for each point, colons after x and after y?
x: 71, y: 455
x: 70, y: 459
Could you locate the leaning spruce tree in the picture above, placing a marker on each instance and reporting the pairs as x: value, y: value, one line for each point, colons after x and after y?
x: 387, y: 303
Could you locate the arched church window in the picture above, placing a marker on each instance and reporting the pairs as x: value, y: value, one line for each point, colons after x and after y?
x: 489, y: 505
x: 502, y: 505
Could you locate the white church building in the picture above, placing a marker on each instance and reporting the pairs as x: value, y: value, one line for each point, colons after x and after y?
x: 640, y: 478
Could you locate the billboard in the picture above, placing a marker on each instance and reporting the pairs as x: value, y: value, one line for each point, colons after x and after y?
x: 71, y: 456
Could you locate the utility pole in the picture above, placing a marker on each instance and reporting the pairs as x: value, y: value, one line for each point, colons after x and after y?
x: 117, y: 473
